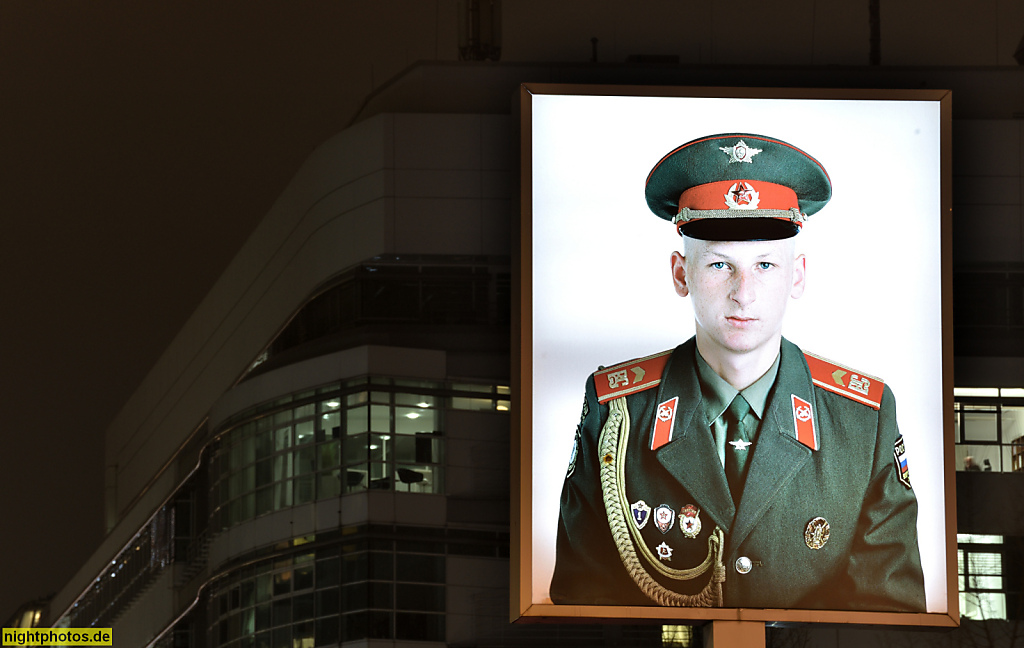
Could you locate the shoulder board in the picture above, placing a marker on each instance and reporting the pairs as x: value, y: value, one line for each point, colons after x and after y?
x: 845, y: 381
x: 630, y: 377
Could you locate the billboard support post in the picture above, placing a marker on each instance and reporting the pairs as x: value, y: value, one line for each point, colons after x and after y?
x: 733, y: 634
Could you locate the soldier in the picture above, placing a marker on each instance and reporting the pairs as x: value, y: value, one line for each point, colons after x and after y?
x: 737, y: 470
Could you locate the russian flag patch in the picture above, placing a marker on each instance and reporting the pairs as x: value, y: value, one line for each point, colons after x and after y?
x: 900, y: 453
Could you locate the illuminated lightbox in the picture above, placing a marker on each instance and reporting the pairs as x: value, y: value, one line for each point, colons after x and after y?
x: 626, y: 508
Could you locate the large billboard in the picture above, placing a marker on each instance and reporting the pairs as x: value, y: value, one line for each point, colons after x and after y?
x: 636, y: 499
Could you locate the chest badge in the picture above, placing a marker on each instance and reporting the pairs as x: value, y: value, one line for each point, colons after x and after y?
x: 641, y: 513
x: 817, y: 532
x: 664, y: 551
x: 689, y: 521
x: 664, y: 517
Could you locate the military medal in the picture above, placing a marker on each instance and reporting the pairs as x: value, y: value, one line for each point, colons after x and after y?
x: 664, y: 551
x: 817, y: 532
x: 664, y: 517
x: 641, y: 513
x: 689, y: 521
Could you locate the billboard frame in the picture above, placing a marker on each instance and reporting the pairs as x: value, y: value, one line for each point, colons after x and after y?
x: 523, y: 607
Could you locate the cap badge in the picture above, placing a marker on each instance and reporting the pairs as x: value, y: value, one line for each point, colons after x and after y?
x: 664, y: 551
x: 816, y: 533
x: 742, y: 195
x: 740, y: 152
x: 689, y: 521
x: 641, y: 513
x: 664, y: 516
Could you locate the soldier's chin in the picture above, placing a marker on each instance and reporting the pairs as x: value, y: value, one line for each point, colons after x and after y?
x: 743, y: 343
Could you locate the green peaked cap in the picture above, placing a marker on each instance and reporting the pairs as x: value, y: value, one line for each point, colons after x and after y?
x: 737, y: 187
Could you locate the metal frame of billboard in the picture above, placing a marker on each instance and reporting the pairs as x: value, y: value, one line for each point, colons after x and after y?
x: 524, y: 607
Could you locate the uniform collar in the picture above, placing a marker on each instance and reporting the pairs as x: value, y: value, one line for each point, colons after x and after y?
x: 718, y: 394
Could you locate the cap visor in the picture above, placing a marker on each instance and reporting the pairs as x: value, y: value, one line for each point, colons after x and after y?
x: 740, y: 229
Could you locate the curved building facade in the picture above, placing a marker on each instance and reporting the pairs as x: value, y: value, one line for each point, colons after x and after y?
x: 321, y: 456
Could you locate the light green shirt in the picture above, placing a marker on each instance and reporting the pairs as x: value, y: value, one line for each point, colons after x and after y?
x: 718, y: 395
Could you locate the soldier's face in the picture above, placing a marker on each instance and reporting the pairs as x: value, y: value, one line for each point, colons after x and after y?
x: 739, y: 290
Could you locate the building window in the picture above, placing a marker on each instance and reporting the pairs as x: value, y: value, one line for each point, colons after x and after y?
x: 368, y: 585
x: 989, y: 429
x: 678, y: 636
x: 400, y: 293
x: 371, y: 433
x: 394, y: 439
x: 980, y: 576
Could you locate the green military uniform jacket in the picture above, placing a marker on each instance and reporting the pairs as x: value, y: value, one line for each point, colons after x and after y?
x: 827, y: 518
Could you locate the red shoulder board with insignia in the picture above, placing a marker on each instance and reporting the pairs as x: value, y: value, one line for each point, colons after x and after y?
x: 630, y: 377
x: 845, y: 381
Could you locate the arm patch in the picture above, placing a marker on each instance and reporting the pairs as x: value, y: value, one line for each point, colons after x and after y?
x: 899, y: 451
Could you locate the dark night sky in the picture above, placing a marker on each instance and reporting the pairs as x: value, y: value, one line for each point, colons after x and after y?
x: 140, y: 144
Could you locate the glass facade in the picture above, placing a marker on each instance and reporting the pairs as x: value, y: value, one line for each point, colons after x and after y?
x: 366, y: 433
x: 980, y: 576
x: 988, y: 319
x: 417, y: 295
x: 989, y: 429
x: 356, y: 583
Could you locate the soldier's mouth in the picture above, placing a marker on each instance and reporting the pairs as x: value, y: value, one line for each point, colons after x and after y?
x: 741, y: 322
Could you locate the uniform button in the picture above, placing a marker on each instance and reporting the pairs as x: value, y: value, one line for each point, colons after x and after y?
x: 743, y: 564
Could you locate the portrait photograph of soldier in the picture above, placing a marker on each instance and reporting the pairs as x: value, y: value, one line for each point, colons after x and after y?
x: 745, y: 296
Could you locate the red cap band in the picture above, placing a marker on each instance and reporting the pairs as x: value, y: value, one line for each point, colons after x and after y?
x: 739, y: 195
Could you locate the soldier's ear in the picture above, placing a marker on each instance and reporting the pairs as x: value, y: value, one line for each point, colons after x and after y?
x: 799, y: 276
x: 679, y: 274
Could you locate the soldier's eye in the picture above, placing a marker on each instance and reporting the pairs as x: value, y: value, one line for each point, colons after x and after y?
x: 718, y: 265
x: 765, y: 265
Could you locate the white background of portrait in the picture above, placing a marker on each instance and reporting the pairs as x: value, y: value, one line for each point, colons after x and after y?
x: 602, y: 290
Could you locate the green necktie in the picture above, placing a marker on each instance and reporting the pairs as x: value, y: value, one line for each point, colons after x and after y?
x: 738, y: 446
